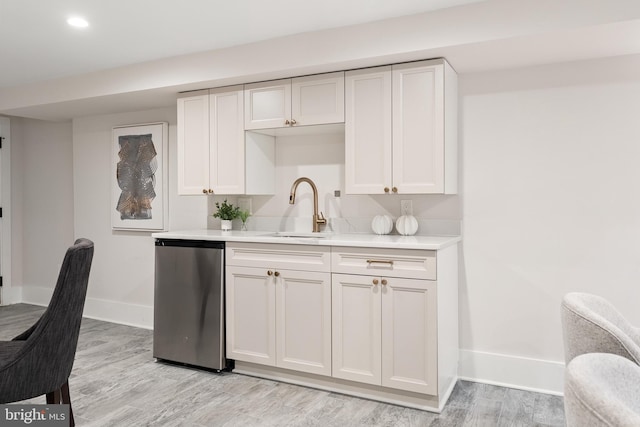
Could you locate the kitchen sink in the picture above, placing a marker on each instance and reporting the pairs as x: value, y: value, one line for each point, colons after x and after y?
x: 301, y: 235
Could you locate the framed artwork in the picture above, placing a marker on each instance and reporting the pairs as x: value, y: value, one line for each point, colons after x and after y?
x: 139, y: 177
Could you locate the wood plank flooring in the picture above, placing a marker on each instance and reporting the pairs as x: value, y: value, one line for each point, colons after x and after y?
x: 116, y: 382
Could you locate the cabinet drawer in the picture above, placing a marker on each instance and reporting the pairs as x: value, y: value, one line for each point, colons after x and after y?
x: 292, y: 257
x: 410, y: 264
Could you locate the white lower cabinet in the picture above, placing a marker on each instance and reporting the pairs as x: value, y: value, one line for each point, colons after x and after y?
x: 375, y: 322
x: 384, y: 331
x: 303, y: 321
x: 251, y: 315
x: 356, y: 329
x: 278, y: 317
x: 409, y: 335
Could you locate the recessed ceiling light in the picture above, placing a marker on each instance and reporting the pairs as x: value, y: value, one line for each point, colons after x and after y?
x: 76, y: 21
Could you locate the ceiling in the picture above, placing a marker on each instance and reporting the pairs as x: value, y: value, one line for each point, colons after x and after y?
x: 37, y: 44
x: 138, y: 54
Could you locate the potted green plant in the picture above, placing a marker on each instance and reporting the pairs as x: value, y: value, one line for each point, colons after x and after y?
x: 227, y: 213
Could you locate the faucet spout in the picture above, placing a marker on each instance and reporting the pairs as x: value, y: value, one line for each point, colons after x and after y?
x: 317, y: 219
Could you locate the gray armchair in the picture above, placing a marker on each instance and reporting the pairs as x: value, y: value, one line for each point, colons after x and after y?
x: 39, y: 360
x: 602, y: 390
x: 590, y: 324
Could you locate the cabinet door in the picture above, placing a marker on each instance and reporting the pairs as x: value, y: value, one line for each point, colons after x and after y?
x: 267, y: 104
x: 368, y: 131
x: 251, y: 319
x: 193, y: 143
x: 409, y: 335
x: 303, y: 323
x: 317, y: 100
x: 356, y: 328
x: 226, y: 174
x: 418, y: 128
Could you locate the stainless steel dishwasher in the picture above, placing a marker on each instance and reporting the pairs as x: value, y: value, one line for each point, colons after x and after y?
x: 188, y: 323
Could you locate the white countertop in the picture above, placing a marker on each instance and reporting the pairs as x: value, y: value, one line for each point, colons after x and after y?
x: 357, y: 240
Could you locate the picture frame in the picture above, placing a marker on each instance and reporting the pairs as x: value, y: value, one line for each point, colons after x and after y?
x: 139, y: 177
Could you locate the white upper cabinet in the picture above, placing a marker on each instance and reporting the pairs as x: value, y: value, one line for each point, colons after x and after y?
x: 267, y: 104
x: 193, y: 143
x: 301, y: 101
x: 226, y: 141
x: 211, y: 148
x: 412, y: 108
x: 317, y: 100
x: 368, y: 130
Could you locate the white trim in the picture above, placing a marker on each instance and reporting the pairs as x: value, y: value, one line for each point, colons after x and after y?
x: 136, y: 315
x: 408, y: 399
x: 7, y: 294
x: 541, y: 376
x: 11, y: 295
x: 36, y: 295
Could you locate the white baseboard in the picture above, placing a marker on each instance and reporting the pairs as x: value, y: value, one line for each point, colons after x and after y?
x: 36, y: 295
x: 11, y: 295
x: 140, y: 316
x: 542, y: 376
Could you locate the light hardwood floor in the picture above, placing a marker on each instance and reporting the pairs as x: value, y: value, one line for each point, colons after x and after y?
x: 116, y: 382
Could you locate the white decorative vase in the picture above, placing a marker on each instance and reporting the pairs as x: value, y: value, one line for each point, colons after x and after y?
x: 382, y: 224
x: 407, y: 225
x: 226, y: 224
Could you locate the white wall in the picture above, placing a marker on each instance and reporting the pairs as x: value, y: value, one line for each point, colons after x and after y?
x: 320, y: 157
x: 42, y: 205
x: 549, y: 161
x: 8, y: 294
x: 121, y: 282
x: 551, y: 204
x: 17, y: 173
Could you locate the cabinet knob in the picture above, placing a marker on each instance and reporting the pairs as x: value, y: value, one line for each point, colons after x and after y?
x: 277, y: 273
x: 375, y: 281
x: 293, y: 122
x: 386, y: 189
x: 384, y: 281
x: 287, y: 122
x: 269, y: 272
x: 210, y: 191
x: 204, y: 191
x: 394, y: 189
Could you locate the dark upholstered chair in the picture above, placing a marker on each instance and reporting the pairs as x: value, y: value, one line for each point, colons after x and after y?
x: 602, y: 389
x: 39, y: 360
x: 590, y: 324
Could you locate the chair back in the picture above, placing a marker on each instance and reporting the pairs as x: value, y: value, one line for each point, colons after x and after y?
x: 590, y: 324
x: 50, y: 344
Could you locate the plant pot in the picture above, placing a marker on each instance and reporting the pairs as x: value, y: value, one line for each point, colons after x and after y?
x: 226, y: 224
